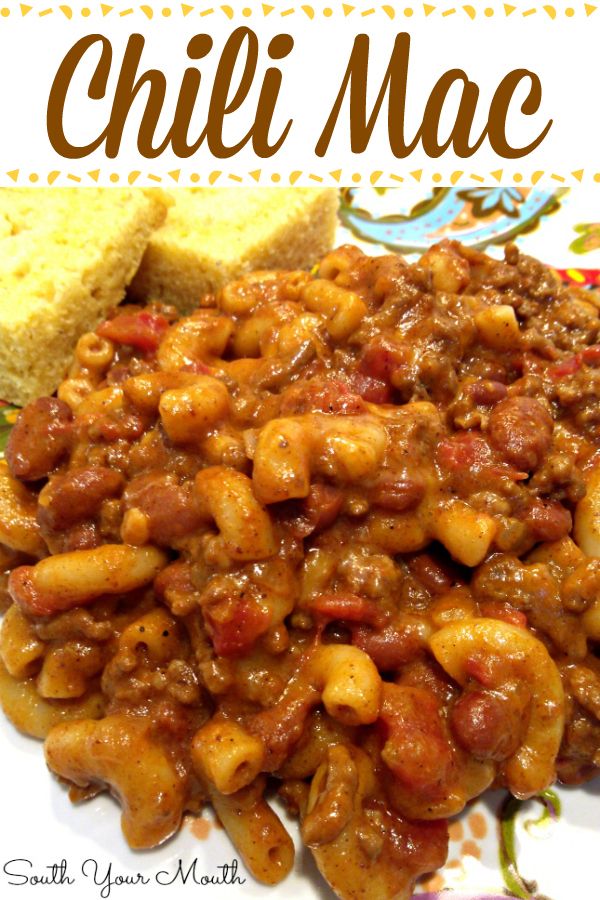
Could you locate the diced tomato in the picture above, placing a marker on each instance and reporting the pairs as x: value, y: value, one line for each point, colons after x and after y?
x: 494, y: 609
x: 382, y: 357
x: 348, y: 608
x: 565, y: 367
x: 416, y: 750
x: 469, y: 453
x: 373, y: 390
x: 237, y: 634
x: 143, y: 330
x: 591, y: 355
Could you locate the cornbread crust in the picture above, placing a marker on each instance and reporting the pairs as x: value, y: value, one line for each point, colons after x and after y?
x: 66, y: 257
x: 215, y: 235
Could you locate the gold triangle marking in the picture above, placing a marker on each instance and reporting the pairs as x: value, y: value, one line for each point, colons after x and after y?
x: 255, y: 174
x: 336, y: 174
x: 267, y: 9
x: 428, y: 9
x: 508, y: 9
x: 14, y: 174
x: 106, y: 9
x: 186, y: 10
x: 175, y: 174
x: 25, y: 9
x: 347, y: 8
x: 94, y: 174
x: 589, y: 9
x: 497, y: 174
x: 417, y: 175
x: 578, y: 174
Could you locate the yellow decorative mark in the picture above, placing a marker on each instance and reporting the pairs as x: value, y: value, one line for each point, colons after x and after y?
x: 45, y: 12
x: 25, y: 9
x: 267, y: 9
x: 235, y: 177
x: 255, y: 174
x: 367, y: 12
x: 497, y: 174
x: 375, y: 176
x: 228, y: 11
x: 578, y: 174
x: 558, y: 178
x: 316, y: 178
x: 106, y: 9
x: 396, y: 177
x: 186, y: 10
x: 213, y: 177
x: 536, y: 177
x: 477, y: 178
x: 336, y: 175
x: 95, y: 174
x: 509, y: 10
x: 529, y: 12
x: 347, y: 8
x: 175, y: 174
x: 470, y: 11
x: 455, y: 176
x: 551, y: 11
x: 417, y: 175
x: 448, y: 12
x: 152, y: 177
x: 74, y: 178
x: 14, y: 174
x: 52, y: 176
x: 66, y: 11
x: 133, y: 176
x: 428, y: 9
x: 589, y: 9
x: 207, y: 12
x: 309, y: 11
x: 147, y: 10
x: 126, y: 12
x: 294, y: 176
x: 288, y: 12
x: 389, y: 11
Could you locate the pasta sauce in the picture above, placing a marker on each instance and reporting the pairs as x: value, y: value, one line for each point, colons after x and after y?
x: 336, y: 534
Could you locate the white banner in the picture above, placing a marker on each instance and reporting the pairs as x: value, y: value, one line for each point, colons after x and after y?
x: 200, y: 94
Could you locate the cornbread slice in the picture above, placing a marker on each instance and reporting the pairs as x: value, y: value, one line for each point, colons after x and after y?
x: 66, y: 257
x: 213, y: 235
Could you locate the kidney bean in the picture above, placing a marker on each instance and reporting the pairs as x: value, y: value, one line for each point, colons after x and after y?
x: 521, y: 428
x: 486, y: 725
x: 40, y: 439
x: 76, y: 496
x: 548, y: 519
x: 398, y: 493
x: 171, y: 508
